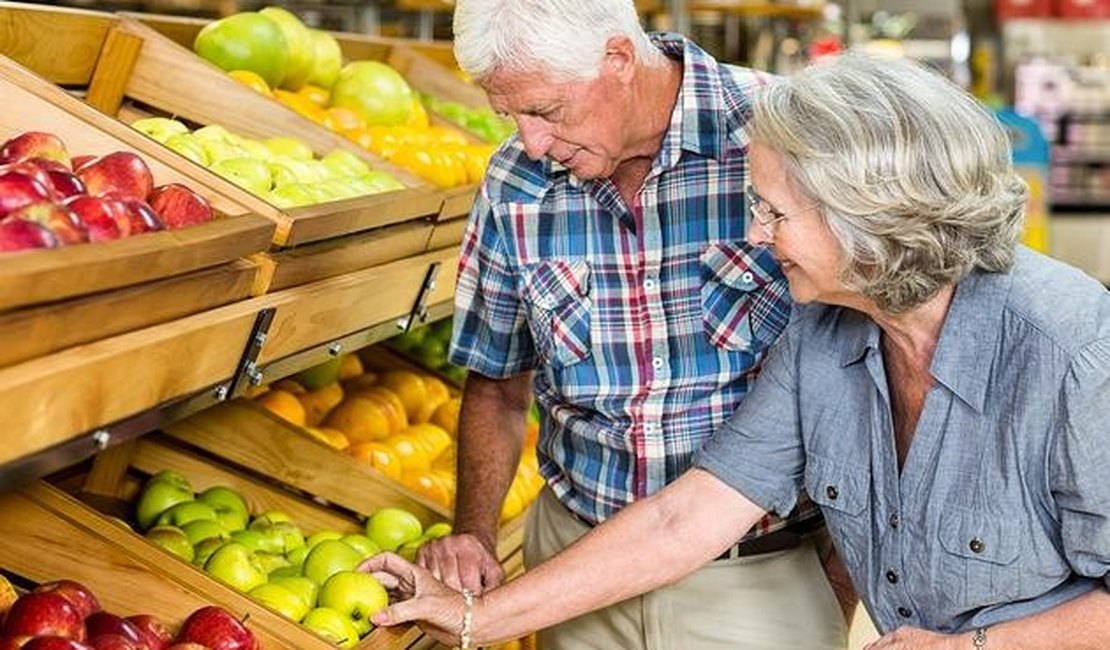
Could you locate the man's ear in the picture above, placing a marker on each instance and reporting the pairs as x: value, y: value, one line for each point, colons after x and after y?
x: 620, y: 58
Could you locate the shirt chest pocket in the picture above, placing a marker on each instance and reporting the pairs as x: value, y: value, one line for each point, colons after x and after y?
x: 557, y: 293
x: 842, y: 492
x: 978, y: 559
x: 743, y: 297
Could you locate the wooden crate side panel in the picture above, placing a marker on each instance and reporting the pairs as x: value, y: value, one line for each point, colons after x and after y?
x: 24, y: 29
x: 316, y: 222
x: 447, y: 234
x: 448, y: 259
x: 457, y: 202
x: 38, y: 331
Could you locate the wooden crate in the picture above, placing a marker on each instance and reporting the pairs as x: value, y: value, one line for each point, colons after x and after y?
x: 447, y: 233
x: 31, y: 103
x: 138, y: 71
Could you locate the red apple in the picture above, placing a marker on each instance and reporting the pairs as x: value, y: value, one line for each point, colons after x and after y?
x: 114, y: 642
x: 54, y: 643
x: 153, y: 632
x: 48, y: 165
x: 22, y: 234
x: 187, y: 646
x: 122, y: 173
x: 14, y: 642
x: 18, y: 189
x: 80, y: 161
x: 34, y: 144
x: 44, y: 613
x: 180, y: 206
x: 76, y: 593
x: 106, y: 219
x: 63, y: 222
x: 141, y: 216
x: 215, y: 628
x: 65, y: 184
x: 103, y: 623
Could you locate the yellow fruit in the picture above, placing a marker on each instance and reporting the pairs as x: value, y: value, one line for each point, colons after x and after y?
x: 428, y: 485
x: 342, y: 119
x: 446, y: 416
x: 350, y: 367
x: 436, y: 394
x: 330, y: 437
x: 289, y: 386
x: 394, y: 409
x: 283, y: 404
x: 359, y: 383
x: 409, y: 387
x: 446, y: 461
x: 252, y: 80
x: 301, y: 104
x: 434, y: 439
x: 8, y: 596
x: 360, y: 419
x: 379, y: 456
x: 318, y: 402
x: 413, y: 455
x: 252, y: 392
x: 513, y: 505
x: 315, y: 94
x: 419, y: 117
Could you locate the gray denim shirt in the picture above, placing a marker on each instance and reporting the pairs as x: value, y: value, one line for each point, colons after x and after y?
x: 1002, y: 509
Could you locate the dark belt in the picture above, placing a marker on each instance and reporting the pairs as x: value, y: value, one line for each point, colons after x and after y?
x: 780, y: 540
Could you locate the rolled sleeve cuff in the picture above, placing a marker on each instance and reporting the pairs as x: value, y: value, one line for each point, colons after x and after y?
x: 476, y: 362
x: 772, y: 495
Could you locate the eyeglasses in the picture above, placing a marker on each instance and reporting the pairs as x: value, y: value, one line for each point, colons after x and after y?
x: 763, y: 214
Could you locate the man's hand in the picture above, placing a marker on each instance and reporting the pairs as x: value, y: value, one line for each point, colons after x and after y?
x: 422, y: 599
x: 912, y: 638
x: 461, y: 562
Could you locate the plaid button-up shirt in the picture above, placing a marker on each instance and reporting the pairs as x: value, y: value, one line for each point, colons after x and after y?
x: 646, y: 323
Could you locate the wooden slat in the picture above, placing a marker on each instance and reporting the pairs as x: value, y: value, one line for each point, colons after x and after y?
x: 113, y: 69
x: 447, y: 233
x: 315, y: 222
x: 38, y: 331
x: 312, y: 262
x: 107, y: 478
x: 457, y: 202
x: 24, y: 29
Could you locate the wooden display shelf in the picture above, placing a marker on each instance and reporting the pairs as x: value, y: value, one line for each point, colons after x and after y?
x: 139, y: 71
x: 32, y: 104
x: 447, y: 233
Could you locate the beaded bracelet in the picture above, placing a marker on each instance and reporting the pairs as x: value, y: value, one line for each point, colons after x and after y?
x: 467, y: 621
x: 979, y: 638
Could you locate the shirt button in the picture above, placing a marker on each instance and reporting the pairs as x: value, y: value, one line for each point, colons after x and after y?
x: 976, y: 545
x: 895, y: 520
x: 657, y: 362
x: 904, y: 612
x: 747, y: 277
x: 832, y: 492
x: 649, y: 284
x: 892, y: 576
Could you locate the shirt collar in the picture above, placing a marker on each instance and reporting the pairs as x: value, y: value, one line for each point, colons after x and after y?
x: 698, y: 120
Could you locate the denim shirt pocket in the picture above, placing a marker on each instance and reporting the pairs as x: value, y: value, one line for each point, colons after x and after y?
x: 744, y: 297
x: 557, y: 293
x: 978, y: 565
x: 843, y: 493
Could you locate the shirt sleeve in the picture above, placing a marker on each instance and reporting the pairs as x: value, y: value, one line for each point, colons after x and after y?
x: 758, y: 451
x: 490, y: 333
x: 1079, y: 478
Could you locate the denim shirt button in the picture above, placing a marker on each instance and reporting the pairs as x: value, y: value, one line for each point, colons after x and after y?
x: 832, y: 492
x: 892, y: 576
x: 895, y: 520
x: 976, y: 545
x: 904, y: 612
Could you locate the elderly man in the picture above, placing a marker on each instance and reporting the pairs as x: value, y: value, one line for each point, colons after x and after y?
x: 604, y: 270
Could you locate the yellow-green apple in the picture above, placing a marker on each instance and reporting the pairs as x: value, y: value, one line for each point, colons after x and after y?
x: 102, y: 623
x: 161, y: 492
x: 269, y: 518
x: 141, y: 216
x: 296, y: 556
x: 159, y: 128
x: 189, y: 147
x: 281, y: 600
x: 21, y: 234
x: 271, y: 562
x: 328, y: 59
x: 249, y: 173
x: 188, y: 511
x: 286, y: 535
x: 34, y: 144
x: 302, y: 51
x: 409, y: 549
x: 280, y: 176
x: 44, y: 614
x: 391, y: 527
x: 293, y: 196
x: 374, y: 91
x: 329, y: 558
x: 18, y: 189
x: 256, y: 541
x: 289, y: 147
x: 322, y: 536
x: 383, y: 181
x: 105, y: 218
x: 343, y: 164
x: 155, y: 634
x: 235, y: 565
x: 172, y: 539
x: 255, y: 149
x: 76, y: 593
x: 288, y: 571
x: 122, y: 173
x: 205, y: 548
x: 332, y: 625
x: 356, y: 595
x: 245, y: 41
x: 63, y: 222
x: 304, y: 588
x: 201, y: 529
x: 231, y: 509
x: 362, y: 544
x: 215, y: 628
x: 438, y: 529
x: 179, y: 206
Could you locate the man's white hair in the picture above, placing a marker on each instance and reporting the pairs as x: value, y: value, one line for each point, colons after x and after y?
x: 564, y: 38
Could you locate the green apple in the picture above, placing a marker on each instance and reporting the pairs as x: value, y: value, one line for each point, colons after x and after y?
x: 336, y: 189
x: 328, y: 60
x: 332, y: 625
x: 255, y: 149
x: 280, y: 176
x: 217, y: 150
x: 289, y: 147
x: 375, y: 91
x: 281, y: 600
x: 328, y: 558
x: 305, y: 171
x: 287, y: 533
x: 269, y: 518
x: 391, y: 527
x: 343, y: 163
x: 159, y: 128
x: 249, y: 173
x: 296, y: 195
x: 287, y: 571
x: 159, y: 495
x: 321, y: 536
x: 172, y: 539
x: 256, y: 541
x: 235, y: 565
x: 302, y: 51
x: 356, y: 595
x: 189, y: 147
x: 186, y: 512
x: 245, y: 41
x: 438, y: 529
x: 306, y: 589
x: 212, y: 132
x: 271, y: 562
x: 296, y: 556
x: 201, y: 529
x: 409, y: 549
x: 230, y: 506
x: 205, y: 549
x: 383, y: 181
x: 362, y: 544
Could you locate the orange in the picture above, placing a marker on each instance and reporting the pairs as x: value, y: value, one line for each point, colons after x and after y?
x: 390, y: 403
x: 428, y: 485
x: 359, y: 383
x: 413, y: 455
x: 379, y: 456
x: 318, y: 402
x: 409, y: 388
x: 446, y: 461
x: 330, y: 437
x: 251, y: 80
x: 342, y: 119
x: 349, y: 367
x: 283, y: 404
x: 446, y: 416
x: 289, y: 386
x: 362, y: 420
x: 436, y: 394
x: 301, y: 104
x: 315, y: 94
x: 434, y: 439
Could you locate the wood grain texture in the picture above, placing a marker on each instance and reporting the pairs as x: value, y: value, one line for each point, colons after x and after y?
x: 316, y: 222
x: 113, y: 69
x: 38, y: 331
x: 25, y: 28
x: 447, y: 233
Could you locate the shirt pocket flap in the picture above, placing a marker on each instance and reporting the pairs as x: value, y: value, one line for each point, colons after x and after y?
x: 553, y: 283
x: 835, y: 485
x: 739, y: 265
x: 980, y: 536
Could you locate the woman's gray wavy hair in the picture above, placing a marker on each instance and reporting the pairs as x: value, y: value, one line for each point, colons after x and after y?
x: 565, y: 38
x: 913, y: 175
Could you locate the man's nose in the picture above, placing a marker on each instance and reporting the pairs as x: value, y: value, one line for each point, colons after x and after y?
x: 536, y: 136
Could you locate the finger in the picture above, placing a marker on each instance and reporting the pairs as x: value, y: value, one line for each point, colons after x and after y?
x: 492, y: 575
x: 470, y: 576
x: 402, y: 612
x: 387, y: 580
x: 389, y: 563
x: 450, y: 570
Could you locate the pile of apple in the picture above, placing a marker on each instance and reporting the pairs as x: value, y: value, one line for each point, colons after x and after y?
x: 66, y: 615
x: 313, y: 581
x: 282, y: 170
x: 49, y: 200
x: 483, y: 122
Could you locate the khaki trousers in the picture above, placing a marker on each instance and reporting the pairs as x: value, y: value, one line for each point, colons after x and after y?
x: 775, y: 601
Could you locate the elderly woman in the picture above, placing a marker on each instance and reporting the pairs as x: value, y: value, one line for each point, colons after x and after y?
x: 942, y: 393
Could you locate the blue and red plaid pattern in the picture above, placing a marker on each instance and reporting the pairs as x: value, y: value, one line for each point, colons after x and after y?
x: 645, y: 323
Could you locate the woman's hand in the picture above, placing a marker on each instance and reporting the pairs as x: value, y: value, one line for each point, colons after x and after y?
x: 912, y: 638
x: 434, y: 606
